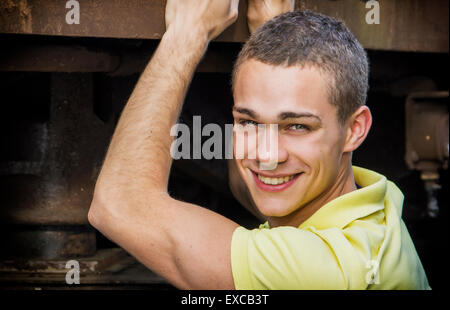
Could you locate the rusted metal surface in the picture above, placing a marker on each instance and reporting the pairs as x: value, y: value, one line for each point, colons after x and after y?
x: 405, y: 25
x: 111, y: 266
x: 101, y: 18
x: 106, y: 260
x: 55, y: 58
x: 17, y: 55
x: 47, y: 177
x: 48, y: 244
x: 55, y: 188
x: 107, y: 268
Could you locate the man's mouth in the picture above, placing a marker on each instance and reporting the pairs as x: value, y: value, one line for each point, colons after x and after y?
x: 275, y: 181
x: 274, y: 184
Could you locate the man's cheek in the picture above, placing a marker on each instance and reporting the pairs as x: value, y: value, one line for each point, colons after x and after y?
x: 244, y: 144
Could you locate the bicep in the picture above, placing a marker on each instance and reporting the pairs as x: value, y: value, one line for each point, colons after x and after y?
x: 186, y: 244
x: 202, y: 247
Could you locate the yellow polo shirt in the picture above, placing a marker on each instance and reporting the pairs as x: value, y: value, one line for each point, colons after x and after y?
x: 356, y: 241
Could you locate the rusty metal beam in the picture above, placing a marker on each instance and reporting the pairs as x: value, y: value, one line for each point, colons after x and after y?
x: 132, y: 19
x: 55, y: 243
x: 57, y: 188
x: 56, y: 58
x: 405, y: 25
x: 106, y: 269
x: 18, y: 55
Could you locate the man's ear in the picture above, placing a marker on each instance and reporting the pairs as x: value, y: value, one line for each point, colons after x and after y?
x: 359, y: 124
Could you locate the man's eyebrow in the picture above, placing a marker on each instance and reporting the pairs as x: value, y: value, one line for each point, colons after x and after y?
x: 248, y: 112
x: 286, y: 115
x: 282, y: 116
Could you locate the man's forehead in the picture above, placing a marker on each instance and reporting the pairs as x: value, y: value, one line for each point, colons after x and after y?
x: 281, y: 91
x: 256, y: 67
x: 256, y: 78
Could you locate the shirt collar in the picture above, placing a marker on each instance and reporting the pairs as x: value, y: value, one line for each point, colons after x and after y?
x: 351, y: 206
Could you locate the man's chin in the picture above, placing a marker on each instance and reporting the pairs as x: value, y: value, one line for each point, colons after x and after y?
x: 274, y: 208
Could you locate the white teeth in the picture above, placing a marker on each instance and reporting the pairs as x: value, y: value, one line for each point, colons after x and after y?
x: 275, y: 181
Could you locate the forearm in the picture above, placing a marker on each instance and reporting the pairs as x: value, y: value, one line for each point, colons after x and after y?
x: 138, y: 160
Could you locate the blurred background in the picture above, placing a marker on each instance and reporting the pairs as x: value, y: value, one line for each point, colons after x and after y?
x: 64, y: 85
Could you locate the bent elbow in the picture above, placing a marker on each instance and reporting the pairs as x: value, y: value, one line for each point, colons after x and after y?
x: 97, y: 212
x: 93, y: 214
x: 105, y: 210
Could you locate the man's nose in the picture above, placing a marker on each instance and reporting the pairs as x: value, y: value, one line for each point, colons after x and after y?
x: 270, y: 152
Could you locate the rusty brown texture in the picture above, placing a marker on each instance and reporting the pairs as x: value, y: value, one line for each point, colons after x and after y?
x: 405, y: 25
x: 58, y: 189
x: 108, y: 267
x: 48, y: 244
x: 46, y: 57
x: 51, y: 58
x: 105, y: 260
x: 142, y: 19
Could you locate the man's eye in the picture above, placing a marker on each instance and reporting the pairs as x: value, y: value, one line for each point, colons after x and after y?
x: 298, y: 127
x: 246, y: 122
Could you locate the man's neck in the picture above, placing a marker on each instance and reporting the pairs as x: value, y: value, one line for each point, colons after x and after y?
x: 345, y: 183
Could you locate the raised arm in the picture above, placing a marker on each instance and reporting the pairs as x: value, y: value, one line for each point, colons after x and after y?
x: 186, y: 244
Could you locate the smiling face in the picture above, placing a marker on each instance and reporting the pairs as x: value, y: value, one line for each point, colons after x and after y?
x: 311, y: 141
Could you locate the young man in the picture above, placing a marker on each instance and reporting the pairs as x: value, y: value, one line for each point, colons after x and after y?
x: 306, y: 73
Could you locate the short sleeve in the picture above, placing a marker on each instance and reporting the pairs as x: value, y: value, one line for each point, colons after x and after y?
x: 290, y: 258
